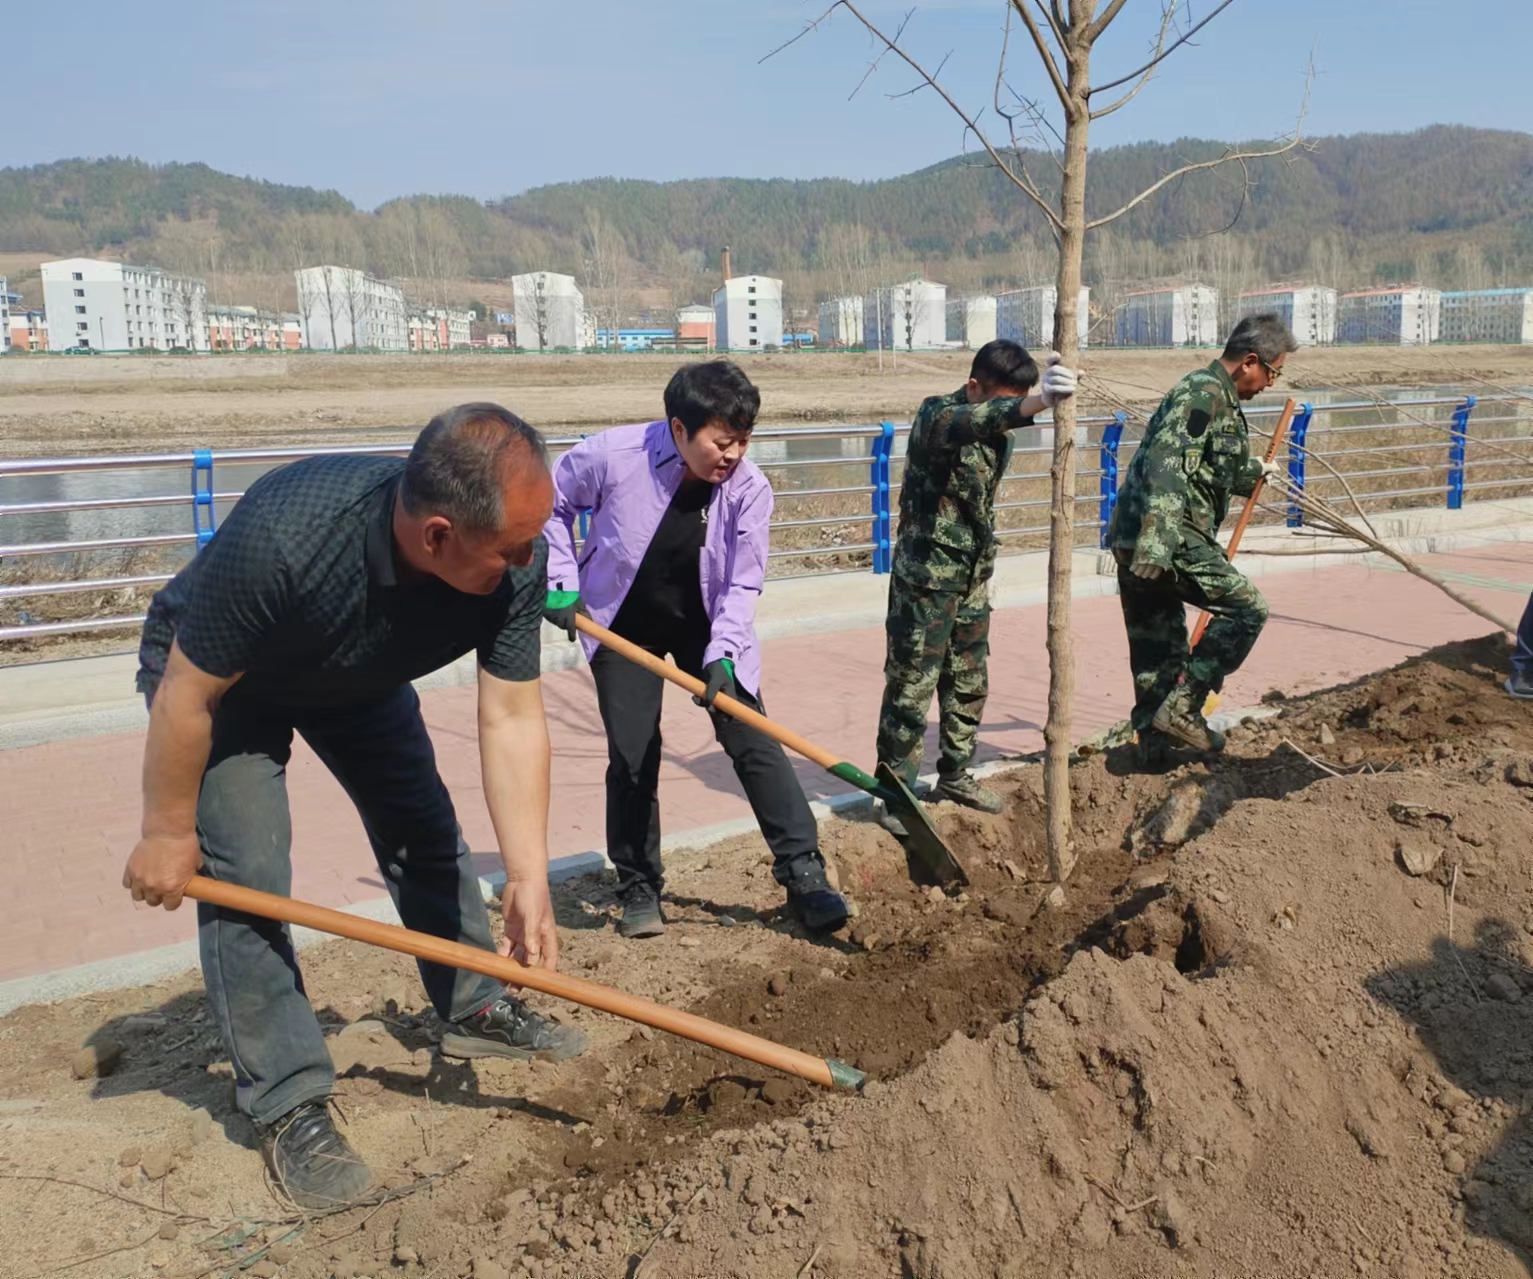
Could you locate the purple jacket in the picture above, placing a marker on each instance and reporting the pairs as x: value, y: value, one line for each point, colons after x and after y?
x: 626, y: 477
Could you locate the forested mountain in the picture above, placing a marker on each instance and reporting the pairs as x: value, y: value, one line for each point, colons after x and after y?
x: 1452, y: 205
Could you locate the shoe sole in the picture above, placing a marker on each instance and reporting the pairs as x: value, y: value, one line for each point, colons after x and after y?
x: 941, y: 796
x: 648, y: 928
x: 1209, y: 743
x: 465, y: 1047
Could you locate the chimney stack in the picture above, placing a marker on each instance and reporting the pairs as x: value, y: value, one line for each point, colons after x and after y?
x: 724, y: 263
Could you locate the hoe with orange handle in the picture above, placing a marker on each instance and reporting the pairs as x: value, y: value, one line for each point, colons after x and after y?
x: 1278, y: 432
x: 820, y: 1070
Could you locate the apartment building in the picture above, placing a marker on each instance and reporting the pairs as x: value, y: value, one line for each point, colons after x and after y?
x: 747, y: 313
x: 1026, y: 316
x: 971, y: 322
x: 1400, y: 315
x: 906, y: 317
x: 111, y: 306
x: 345, y: 309
x: 549, y: 310
x: 1183, y: 315
x: 1487, y: 315
x: 1309, y: 310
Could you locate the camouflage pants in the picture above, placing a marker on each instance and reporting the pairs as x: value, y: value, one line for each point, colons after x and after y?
x: 938, y: 642
x: 1154, y: 615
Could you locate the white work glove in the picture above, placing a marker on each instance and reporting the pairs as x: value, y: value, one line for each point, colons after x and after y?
x: 1270, y: 469
x: 1058, y: 382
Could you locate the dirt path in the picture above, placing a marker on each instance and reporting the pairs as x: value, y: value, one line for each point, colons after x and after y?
x: 122, y: 404
x: 1244, y: 1045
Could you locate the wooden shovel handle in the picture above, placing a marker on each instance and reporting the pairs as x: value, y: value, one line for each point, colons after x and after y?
x: 1278, y: 432
x: 575, y: 989
x: 738, y: 710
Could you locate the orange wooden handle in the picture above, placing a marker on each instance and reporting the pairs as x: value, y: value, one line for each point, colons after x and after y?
x: 1249, y: 509
x: 669, y: 670
x: 575, y: 989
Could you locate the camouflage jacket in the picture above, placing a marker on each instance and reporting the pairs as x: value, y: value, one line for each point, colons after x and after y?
x: 1195, y: 453
x: 957, y: 456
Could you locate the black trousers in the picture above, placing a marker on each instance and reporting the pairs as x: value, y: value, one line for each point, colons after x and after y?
x: 629, y: 698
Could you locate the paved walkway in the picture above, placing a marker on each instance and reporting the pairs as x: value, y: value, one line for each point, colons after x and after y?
x: 71, y: 808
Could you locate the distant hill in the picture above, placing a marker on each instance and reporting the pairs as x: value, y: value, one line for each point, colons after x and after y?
x: 1450, y: 204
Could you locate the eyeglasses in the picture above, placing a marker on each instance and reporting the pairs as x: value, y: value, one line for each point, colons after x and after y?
x: 1272, y: 374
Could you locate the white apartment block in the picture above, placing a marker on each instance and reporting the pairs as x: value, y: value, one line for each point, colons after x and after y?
x: 747, y: 313
x: 1026, y: 316
x: 905, y: 317
x: 550, y: 312
x: 1402, y: 315
x: 110, y: 306
x: 343, y: 309
x: 841, y: 322
x: 1487, y: 315
x: 1308, y: 310
x: 970, y: 322
x: 5, y: 315
x: 1187, y: 315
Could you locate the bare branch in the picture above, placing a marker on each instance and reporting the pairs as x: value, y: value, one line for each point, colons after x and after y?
x: 1044, y: 53
x: 1061, y: 24
x: 1017, y: 176
x: 916, y: 88
x: 1160, y: 54
x: 1105, y: 21
x: 1232, y: 156
x: 1056, y: 25
x: 813, y: 24
x: 1166, y: 15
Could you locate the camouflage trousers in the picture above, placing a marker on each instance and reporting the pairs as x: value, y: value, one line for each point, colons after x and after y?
x: 937, y: 642
x: 1156, y: 620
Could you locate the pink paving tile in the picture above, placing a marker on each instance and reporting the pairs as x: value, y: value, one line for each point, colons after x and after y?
x: 71, y: 808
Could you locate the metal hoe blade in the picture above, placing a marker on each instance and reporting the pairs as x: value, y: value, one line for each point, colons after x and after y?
x: 923, y: 841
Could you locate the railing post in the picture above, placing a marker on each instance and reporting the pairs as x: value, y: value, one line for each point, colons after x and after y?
x: 1298, y: 432
x: 204, y: 517
x: 1457, y: 448
x: 883, y: 534
x: 583, y: 516
x: 1112, y: 434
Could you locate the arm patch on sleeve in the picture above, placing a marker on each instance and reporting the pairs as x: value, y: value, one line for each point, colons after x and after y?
x: 1197, y: 423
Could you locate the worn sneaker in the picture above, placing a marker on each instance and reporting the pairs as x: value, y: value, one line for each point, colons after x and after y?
x: 642, y: 916
x: 1181, y: 716
x: 964, y: 788
x: 508, y: 1028
x: 811, y: 899
x: 889, y: 821
x: 1520, y: 685
x: 310, y: 1162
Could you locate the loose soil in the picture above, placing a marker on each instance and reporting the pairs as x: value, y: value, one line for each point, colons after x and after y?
x: 1248, y: 1042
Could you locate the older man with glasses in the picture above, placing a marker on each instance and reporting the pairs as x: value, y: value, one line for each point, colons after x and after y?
x: 1195, y: 454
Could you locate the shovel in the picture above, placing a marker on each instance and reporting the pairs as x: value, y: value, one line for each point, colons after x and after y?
x: 923, y: 842
x: 825, y: 1071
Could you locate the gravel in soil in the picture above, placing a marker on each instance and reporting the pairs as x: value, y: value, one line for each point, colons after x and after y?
x: 1255, y: 1038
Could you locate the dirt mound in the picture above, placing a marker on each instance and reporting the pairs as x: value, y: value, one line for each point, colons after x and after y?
x: 1279, y: 1026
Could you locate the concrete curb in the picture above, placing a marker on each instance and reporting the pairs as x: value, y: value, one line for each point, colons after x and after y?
x: 149, y: 966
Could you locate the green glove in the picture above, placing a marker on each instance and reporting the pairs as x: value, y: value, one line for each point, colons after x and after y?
x: 560, y: 608
x: 721, y: 679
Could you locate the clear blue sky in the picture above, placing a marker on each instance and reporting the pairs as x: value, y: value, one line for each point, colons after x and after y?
x: 378, y: 98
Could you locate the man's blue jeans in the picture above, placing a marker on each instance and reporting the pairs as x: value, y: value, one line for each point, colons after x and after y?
x: 383, y: 758
x: 1522, y: 656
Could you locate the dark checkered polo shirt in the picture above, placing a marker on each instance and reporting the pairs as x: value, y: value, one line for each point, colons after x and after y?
x: 299, y: 590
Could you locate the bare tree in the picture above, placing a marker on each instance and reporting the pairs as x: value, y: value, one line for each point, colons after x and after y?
x: 606, y: 271
x: 1062, y: 35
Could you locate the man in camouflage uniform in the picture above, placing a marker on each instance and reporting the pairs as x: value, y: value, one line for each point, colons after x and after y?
x: 1194, y: 455
x: 938, y: 627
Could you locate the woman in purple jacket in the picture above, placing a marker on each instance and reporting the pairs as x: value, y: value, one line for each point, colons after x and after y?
x: 674, y: 561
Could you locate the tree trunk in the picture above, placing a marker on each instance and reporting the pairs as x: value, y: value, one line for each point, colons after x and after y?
x: 1058, y: 730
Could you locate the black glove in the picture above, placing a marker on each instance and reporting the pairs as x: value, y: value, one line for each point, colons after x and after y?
x: 560, y: 609
x: 720, y: 676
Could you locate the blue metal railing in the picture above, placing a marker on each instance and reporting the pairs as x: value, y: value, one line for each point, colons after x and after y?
x: 1395, y: 482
